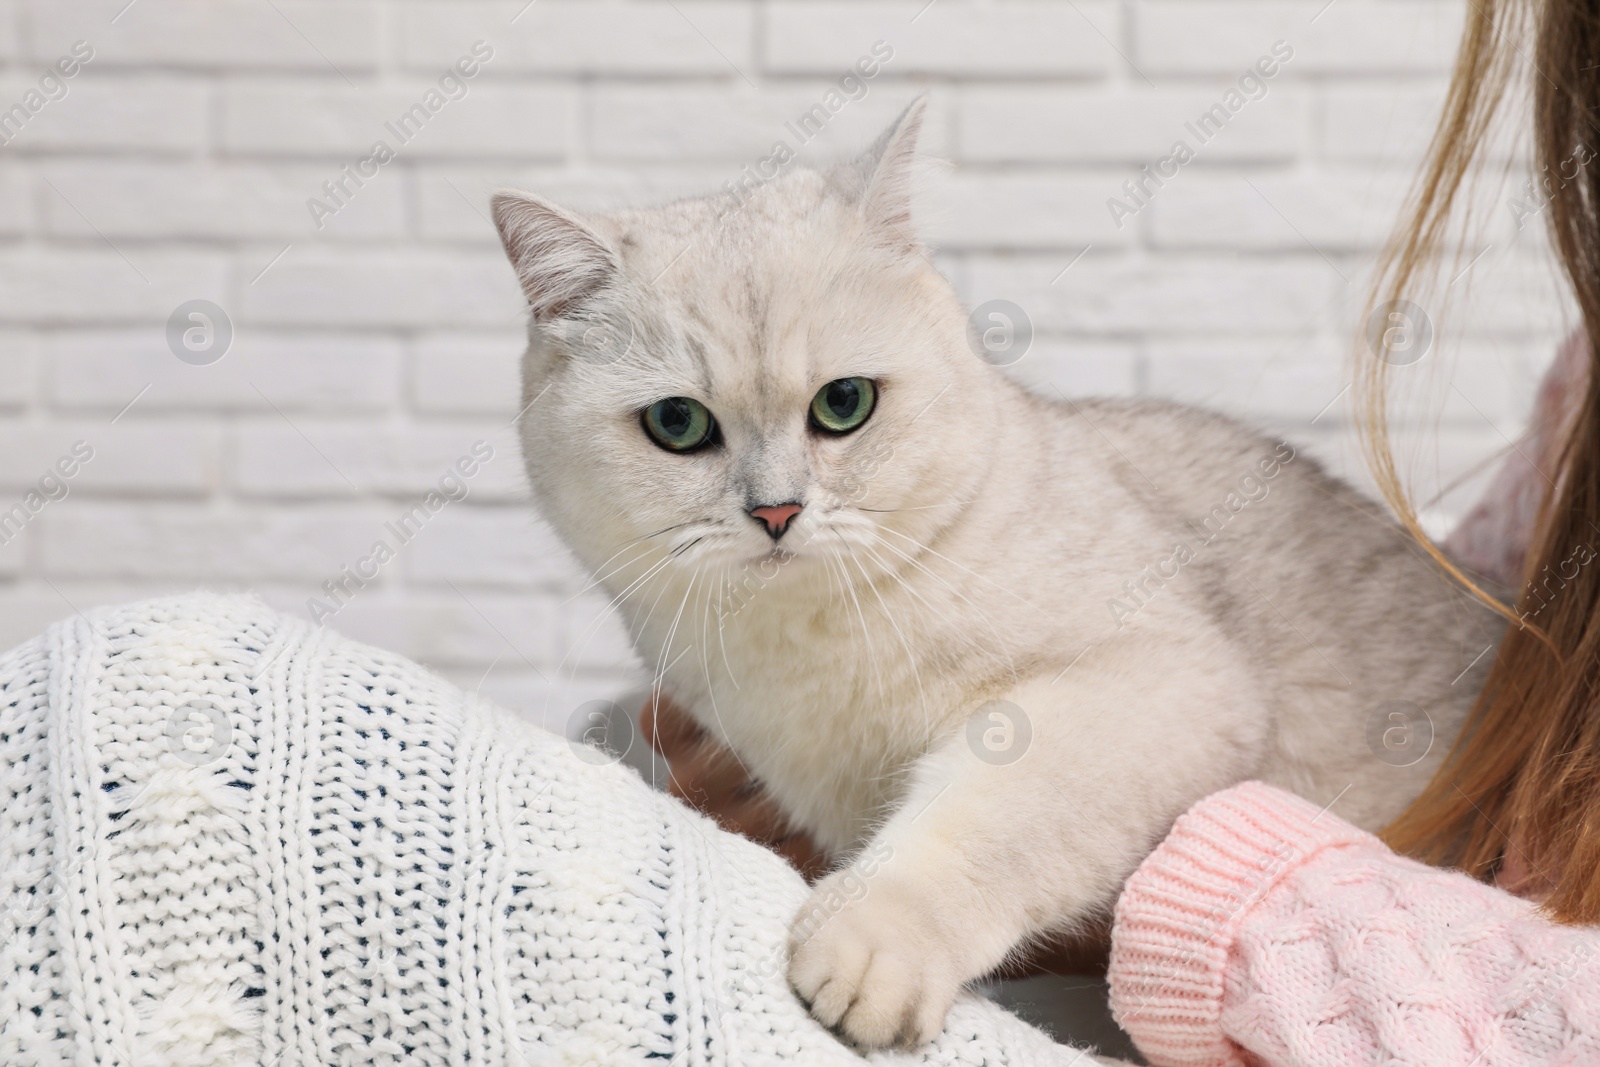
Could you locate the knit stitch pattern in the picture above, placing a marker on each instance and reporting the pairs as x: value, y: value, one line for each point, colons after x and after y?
x: 1263, y: 931
x: 228, y: 837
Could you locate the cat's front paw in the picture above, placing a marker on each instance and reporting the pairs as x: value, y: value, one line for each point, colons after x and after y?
x: 870, y: 960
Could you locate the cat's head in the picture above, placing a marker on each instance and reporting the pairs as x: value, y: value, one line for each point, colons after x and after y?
x: 767, y: 376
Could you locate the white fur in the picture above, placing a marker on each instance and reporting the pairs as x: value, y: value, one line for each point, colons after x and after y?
x: 962, y: 547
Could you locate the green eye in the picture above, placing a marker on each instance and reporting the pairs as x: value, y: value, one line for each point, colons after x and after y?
x: 679, y: 424
x: 843, y: 405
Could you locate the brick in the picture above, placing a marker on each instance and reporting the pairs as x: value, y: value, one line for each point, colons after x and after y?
x: 16, y: 201
x: 291, y: 597
x: 187, y: 544
x: 293, y: 118
x: 454, y: 204
x: 1347, y: 37
x: 1511, y: 214
x: 1173, y: 295
x: 1023, y: 211
x: 631, y: 122
x: 336, y: 373
x: 1056, y: 366
x: 1492, y: 385
x: 450, y: 629
x: 164, y: 201
x: 594, y: 638
x: 556, y: 706
x: 1430, y: 459
x: 1070, y: 124
x: 104, y: 111
x: 1329, y: 211
x: 1378, y: 123
x: 406, y: 287
x: 10, y: 40
x: 93, y: 283
x: 1510, y: 295
x: 468, y: 373
x: 129, y: 457
x: 445, y: 632
x: 507, y: 548
x: 582, y: 37
x: 312, y: 457
x: 1451, y: 469
x: 480, y: 626
x: 384, y: 613
x: 28, y: 607
x: 1294, y: 378
x: 1485, y: 384
x: 1008, y: 39
x: 392, y: 335
x: 19, y: 368
x: 218, y: 34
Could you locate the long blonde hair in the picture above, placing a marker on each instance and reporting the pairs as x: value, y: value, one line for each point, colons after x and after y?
x: 1523, y: 779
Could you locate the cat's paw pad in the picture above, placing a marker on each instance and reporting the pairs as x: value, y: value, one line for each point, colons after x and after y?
x: 870, y: 967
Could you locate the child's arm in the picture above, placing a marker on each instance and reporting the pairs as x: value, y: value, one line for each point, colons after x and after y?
x: 1264, y: 931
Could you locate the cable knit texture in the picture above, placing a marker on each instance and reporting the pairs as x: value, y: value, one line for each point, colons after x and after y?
x: 1263, y: 931
x: 227, y: 837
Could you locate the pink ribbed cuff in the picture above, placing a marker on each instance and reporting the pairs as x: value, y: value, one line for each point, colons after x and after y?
x: 1176, y: 918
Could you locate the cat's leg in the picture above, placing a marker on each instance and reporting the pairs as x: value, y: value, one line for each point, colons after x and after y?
x: 1015, y: 828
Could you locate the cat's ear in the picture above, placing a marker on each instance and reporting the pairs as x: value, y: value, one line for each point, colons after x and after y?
x: 559, y: 260
x: 884, y: 176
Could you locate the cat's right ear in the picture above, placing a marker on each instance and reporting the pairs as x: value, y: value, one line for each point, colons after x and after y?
x: 559, y: 260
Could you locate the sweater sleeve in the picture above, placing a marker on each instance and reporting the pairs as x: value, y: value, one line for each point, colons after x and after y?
x: 1263, y: 931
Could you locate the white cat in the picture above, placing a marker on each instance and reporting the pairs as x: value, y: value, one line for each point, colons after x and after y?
x: 1004, y: 640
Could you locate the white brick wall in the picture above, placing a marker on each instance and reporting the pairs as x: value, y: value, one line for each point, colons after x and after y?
x: 371, y: 353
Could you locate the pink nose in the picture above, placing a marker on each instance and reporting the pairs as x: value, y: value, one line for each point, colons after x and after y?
x: 775, y: 517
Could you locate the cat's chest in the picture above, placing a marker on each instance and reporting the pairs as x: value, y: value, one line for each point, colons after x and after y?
x: 825, y: 704
x: 784, y: 678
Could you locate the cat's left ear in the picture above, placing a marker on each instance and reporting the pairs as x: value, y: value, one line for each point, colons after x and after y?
x: 883, y: 176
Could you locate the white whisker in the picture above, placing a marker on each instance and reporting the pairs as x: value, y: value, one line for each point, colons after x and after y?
x: 672, y: 631
x: 593, y: 629
x: 911, y: 657
x: 620, y: 548
x: 981, y: 577
x: 955, y: 628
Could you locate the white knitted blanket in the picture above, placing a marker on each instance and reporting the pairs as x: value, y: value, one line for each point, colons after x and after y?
x: 227, y: 837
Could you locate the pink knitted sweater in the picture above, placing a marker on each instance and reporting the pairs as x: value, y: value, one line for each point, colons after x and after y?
x: 1265, y: 932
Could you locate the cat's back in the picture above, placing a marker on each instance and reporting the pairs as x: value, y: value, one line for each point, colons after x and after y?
x: 1216, y: 478
x: 1340, y: 611
x: 1260, y: 515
